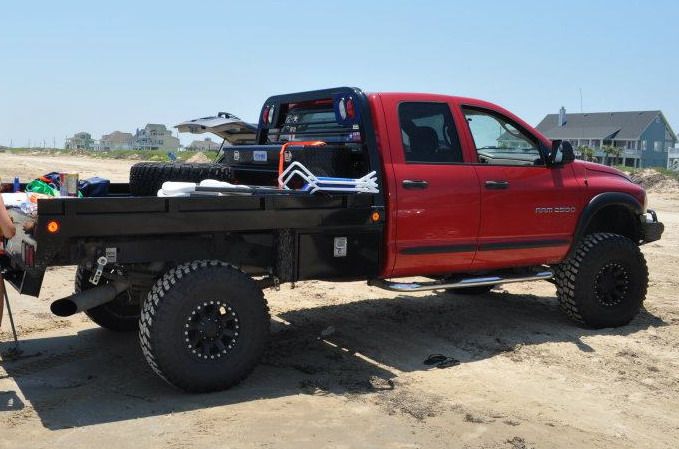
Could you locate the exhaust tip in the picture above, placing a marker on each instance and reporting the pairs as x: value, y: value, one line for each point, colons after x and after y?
x: 64, y: 307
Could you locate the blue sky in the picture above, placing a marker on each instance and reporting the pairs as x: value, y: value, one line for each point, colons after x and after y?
x: 69, y: 66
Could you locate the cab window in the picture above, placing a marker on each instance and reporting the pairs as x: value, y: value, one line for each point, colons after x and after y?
x: 498, y: 141
x: 428, y: 133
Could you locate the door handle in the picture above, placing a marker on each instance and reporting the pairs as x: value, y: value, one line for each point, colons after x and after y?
x: 410, y: 184
x: 497, y: 185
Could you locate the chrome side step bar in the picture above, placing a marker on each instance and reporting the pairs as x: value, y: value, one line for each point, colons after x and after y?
x: 460, y: 283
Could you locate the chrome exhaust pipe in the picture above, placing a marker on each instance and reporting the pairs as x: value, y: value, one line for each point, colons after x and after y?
x: 85, y: 300
x: 460, y: 283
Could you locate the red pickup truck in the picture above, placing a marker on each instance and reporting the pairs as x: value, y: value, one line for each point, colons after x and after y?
x: 467, y: 195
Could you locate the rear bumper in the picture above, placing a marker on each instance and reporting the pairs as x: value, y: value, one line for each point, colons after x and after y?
x: 651, y: 228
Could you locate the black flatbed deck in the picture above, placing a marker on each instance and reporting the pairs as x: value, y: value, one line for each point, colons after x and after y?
x: 170, y: 229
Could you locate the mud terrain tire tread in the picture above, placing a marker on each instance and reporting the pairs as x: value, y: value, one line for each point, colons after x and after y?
x: 575, y: 280
x: 165, y: 310
x: 146, y: 178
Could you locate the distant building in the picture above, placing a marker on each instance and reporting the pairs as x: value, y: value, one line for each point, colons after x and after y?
x: 203, y: 145
x: 80, y: 141
x: 645, y: 137
x: 155, y: 137
x: 673, y: 157
x: 117, y: 140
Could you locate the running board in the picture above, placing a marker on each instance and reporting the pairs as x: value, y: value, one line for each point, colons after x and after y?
x: 461, y: 283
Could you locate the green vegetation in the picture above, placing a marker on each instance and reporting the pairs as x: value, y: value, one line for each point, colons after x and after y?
x: 586, y: 152
x: 611, y: 152
x: 137, y: 155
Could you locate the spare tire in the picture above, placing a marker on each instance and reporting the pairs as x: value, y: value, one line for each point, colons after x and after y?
x: 146, y: 178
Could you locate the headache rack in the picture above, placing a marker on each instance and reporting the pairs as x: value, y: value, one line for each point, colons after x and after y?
x: 331, y: 115
x: 339, y: 118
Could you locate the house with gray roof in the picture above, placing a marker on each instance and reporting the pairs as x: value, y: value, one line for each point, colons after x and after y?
x: 79, y: 141
x: 116, y: 140
x: 155, y: 136
x: 645, y: 138
x: 206, y: 144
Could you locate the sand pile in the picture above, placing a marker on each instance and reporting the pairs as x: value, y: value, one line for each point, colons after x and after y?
x: 655, y: 181
x: 199, y: 158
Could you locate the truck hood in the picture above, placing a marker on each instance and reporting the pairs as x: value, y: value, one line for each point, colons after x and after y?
x: 592, y: 166
x: 227, y: 126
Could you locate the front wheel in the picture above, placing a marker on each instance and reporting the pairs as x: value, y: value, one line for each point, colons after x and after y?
x: 204, y: 326
x: 604, y: 283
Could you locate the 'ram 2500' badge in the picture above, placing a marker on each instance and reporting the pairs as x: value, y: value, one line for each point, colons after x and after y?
x: 555, y: 210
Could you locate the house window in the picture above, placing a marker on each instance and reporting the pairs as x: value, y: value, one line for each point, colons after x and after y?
x: 657, y: 146
x: 643, y: 145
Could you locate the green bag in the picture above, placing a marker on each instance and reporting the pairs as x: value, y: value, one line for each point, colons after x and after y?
x: 39, y: 186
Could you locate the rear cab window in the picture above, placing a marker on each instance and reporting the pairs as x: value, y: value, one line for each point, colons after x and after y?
x: 428, y: 133
x: 317, y: 120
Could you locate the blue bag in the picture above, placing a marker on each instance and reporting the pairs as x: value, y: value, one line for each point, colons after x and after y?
x: 94, y: 187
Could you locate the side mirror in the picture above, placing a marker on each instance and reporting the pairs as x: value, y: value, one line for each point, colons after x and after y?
x: 562, y: 153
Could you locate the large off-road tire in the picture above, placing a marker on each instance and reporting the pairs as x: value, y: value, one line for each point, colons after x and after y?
x: 120, y: 315
x: 146, y: 178
x: 604, y: 282
x: 204, y: 326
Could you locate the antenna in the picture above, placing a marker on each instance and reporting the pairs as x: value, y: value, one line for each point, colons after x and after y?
x: 581, y: 111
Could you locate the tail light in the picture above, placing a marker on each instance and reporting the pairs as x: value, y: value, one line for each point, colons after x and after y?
x: 346, y: 109
x: 342, y: 108
x: 28, y: 254
x: 351, y: 111
x: 267, y: 114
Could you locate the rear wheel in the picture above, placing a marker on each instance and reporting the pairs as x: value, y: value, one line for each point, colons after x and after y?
x: 120, y: 315
x: 204, y: 326
x: 146, y: 178
x: 604, y: 283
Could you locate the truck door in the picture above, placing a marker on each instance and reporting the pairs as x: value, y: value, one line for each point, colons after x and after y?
x: 528, y: 210
x: 436, y: 207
